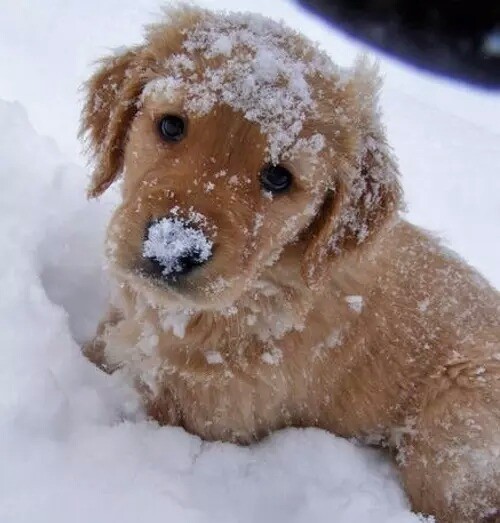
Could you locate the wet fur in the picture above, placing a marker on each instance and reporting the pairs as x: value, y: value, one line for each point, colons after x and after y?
x: 414, y: 364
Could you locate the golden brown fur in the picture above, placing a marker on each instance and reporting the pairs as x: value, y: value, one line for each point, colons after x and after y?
x: 326, y: 310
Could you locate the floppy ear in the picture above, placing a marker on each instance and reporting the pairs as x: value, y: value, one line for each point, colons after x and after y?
x: 110, y: 105
x: 365, y: 191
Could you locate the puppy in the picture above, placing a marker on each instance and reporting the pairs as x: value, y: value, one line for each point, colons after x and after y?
x: 264, y: 277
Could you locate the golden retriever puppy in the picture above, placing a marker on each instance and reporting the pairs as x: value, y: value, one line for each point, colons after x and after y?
x: 264, y: 277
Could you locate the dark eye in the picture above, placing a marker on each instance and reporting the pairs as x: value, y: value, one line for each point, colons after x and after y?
x: 172, y: 128
x: 275, y: 178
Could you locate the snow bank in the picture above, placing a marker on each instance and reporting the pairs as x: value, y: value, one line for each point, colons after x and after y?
x: 74, y: 445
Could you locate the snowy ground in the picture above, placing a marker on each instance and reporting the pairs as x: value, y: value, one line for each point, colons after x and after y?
x: 73, y: 443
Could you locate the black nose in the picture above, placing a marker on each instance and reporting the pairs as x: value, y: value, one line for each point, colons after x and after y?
x: 173, y: 248
x: 184, y: 265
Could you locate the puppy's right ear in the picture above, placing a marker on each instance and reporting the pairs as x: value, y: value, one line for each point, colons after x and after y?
x: 110, y: 105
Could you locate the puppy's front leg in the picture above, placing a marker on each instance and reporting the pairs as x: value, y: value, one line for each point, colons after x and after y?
x: 94, y: 350
x: 451, y: 462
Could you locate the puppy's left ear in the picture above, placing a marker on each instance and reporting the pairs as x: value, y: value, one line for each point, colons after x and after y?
x: 110, y: 105
x: 365, y: 193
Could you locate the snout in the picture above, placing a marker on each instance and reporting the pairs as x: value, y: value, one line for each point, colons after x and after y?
x: 173, y: 248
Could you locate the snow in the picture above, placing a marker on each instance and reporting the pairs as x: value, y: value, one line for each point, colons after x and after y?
x: 170, y: 240
x: 214, y: 357
x: 355, y: 303
x: 74, y: 444
x: 256, y: 76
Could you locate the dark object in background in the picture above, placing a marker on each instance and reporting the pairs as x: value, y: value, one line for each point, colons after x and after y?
x: 455, y: 38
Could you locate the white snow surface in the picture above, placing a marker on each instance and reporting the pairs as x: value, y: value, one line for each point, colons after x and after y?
x: 74, y: 444
x: 170, y: 239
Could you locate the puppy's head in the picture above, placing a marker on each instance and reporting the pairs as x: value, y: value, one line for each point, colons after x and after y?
x: 234, y: 137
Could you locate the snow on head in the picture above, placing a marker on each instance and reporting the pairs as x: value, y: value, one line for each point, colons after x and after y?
x: 171, y: 240
x: 253, y: 64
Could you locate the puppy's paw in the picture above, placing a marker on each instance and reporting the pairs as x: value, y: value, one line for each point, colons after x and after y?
x: 94, y: 352
x: 162, y: 407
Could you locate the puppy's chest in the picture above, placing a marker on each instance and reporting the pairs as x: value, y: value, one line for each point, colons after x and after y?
x: 227, y: 399
x: 225, y: 387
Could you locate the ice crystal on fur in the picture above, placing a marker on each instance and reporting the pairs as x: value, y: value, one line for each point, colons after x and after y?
x: 254, y: 66
x: 273, y: 356
x: 214, y: 357
x: 176, y: 321
x: 171, y: 239
x: 355, y: 303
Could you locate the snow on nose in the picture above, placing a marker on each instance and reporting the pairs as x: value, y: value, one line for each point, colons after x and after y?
x: 176, y: 246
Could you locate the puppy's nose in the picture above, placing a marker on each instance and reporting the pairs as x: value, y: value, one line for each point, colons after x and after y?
x: 174, y: 247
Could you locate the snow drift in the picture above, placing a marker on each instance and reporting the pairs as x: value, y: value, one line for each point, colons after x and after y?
x: 74, y: 444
